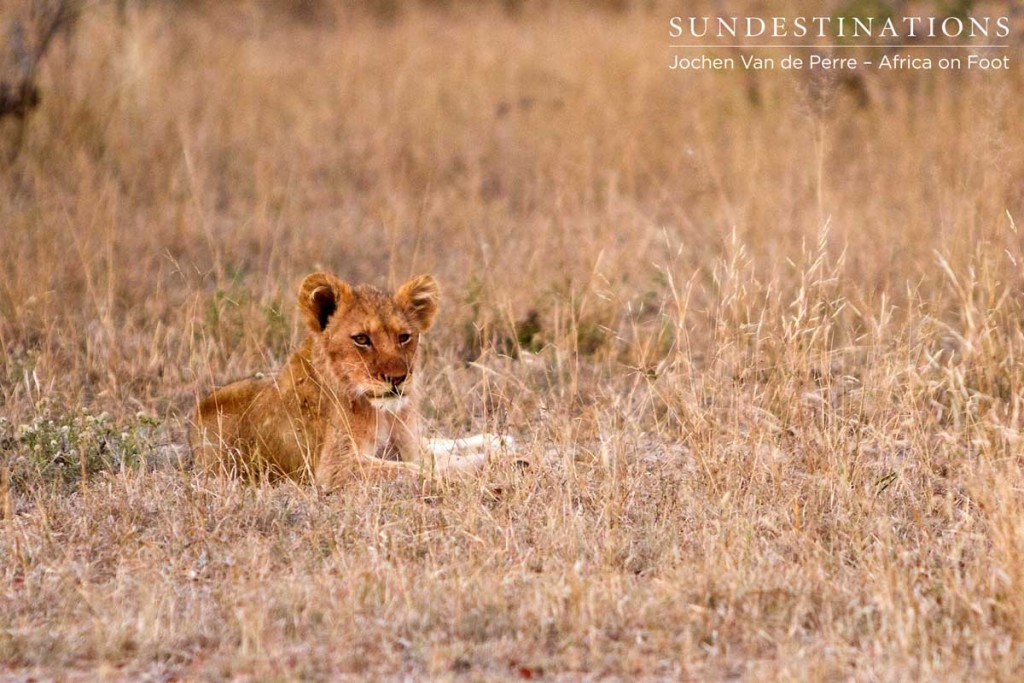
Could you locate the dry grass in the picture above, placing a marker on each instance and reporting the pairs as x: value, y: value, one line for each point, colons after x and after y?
x: 767, y: 358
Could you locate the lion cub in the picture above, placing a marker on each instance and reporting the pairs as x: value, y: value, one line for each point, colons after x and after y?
x: 341, y: 407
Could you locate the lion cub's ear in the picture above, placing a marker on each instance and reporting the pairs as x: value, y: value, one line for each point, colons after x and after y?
x: 419, y: 296
x: 321, y: 295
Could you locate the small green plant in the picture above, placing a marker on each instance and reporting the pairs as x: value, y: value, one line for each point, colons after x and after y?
x: 66, y: 448
x: 278, y: 326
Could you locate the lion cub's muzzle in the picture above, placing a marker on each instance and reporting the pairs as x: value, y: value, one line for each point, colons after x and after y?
x: 397, y: 384
x: 394, y: 398
x: 391, y: 386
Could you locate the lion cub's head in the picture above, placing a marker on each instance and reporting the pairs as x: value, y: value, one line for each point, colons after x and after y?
x: 367, y: 338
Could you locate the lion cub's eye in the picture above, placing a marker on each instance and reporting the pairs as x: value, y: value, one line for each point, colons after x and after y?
x: 404, y: 337
x: 362, y: 340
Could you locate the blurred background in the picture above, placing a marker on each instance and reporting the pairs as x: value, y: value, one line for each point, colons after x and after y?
x: 172, y: 169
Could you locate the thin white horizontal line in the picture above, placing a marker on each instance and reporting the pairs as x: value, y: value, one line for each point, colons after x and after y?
x: 961, y: 47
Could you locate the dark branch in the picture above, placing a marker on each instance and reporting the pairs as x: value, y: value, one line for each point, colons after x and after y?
x: 19, y: 93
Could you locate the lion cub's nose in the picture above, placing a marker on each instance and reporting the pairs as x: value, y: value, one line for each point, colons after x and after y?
x: 395, y: 380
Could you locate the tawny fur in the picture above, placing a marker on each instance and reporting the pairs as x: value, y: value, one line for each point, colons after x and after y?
x: 341, y: 408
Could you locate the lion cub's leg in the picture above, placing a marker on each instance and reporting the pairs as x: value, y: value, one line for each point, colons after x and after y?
x: 342, y: 461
